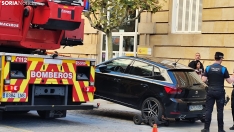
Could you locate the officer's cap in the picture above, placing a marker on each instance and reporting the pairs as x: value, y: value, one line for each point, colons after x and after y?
x: 219, y: 55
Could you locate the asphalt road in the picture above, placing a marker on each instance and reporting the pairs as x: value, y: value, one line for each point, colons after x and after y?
x: 108, y: 118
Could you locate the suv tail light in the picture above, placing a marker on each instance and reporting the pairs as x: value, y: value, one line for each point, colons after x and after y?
x: 171, y: 90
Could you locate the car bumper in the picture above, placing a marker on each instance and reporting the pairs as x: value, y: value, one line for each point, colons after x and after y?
x: 180, y: 109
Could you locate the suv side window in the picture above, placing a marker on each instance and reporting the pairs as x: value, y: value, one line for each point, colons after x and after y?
x: 158, y: 74
x: 141, y: 69
x: 118, y: 65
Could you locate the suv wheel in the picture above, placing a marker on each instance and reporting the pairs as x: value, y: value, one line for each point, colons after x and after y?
x: 151, y: 107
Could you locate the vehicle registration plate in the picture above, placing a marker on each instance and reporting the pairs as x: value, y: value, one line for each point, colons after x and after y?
x: 195, y: 107
x: 14, y: 95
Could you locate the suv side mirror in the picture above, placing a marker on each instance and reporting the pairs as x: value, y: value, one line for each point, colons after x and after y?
x: 103, y: 68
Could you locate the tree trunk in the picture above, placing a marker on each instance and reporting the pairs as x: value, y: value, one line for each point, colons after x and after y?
x: 110, y: 45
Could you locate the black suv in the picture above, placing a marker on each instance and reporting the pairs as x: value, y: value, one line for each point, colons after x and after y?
x: 161, y: 88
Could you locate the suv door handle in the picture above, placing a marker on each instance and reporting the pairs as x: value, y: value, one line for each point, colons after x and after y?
x: 117, y: 80
x: 144, y: 85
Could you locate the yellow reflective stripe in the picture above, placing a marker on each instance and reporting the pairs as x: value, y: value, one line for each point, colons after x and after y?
x: 90, y: 94
x: 87, y: 63
x: 35, y: 59
x: 13, y: 58
x: 76, y: 84
x: 92, y: 72
x: 6, y: 69
x: 68, y: 61
x: 2, y: 76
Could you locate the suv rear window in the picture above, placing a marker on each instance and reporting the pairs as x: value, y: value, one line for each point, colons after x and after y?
x: 187, y: 78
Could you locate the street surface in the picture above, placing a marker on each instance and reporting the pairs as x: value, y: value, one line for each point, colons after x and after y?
x: 108, y: 118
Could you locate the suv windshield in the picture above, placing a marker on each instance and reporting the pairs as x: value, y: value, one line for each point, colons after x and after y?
x: 187, y: 78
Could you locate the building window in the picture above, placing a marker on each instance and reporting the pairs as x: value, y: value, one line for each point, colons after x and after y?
x: 186, y: 16
x: 127, y: 27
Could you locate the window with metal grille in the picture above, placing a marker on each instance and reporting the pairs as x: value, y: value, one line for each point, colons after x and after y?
x: 187, y: 16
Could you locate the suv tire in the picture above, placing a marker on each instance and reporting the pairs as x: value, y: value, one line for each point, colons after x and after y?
x: 151, y: 107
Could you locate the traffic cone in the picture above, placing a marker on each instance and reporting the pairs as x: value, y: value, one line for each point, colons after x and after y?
x: 155, y: 128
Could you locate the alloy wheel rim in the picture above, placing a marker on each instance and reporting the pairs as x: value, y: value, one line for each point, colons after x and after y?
x: 150, y: 109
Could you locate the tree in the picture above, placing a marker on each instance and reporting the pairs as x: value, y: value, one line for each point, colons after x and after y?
x: 107, y: 15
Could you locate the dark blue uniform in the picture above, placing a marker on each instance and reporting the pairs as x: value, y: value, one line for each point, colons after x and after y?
x: 215, y: 74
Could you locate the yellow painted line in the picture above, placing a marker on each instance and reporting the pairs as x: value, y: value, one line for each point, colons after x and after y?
x: 15, y: 128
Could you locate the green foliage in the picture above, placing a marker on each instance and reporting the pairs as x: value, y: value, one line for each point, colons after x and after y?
x: 106, y: 15
x: 119, y: 10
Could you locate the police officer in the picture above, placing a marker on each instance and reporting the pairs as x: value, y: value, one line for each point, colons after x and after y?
x: 215, y: 74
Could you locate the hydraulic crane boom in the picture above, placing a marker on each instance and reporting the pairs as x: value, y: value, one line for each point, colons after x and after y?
x: 41, y: 24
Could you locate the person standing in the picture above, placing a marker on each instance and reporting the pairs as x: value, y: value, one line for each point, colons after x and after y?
x: 192, y: 64
x: 215, y: 74
x: 232, y: 105
x: 198, y: 69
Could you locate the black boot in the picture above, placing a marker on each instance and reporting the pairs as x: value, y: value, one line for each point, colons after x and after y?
x: 232, y: 128
x: 205, y: 130
x: 222, y: 131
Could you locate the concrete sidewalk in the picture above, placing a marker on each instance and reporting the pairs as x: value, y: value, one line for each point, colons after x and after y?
x: 182, y: 126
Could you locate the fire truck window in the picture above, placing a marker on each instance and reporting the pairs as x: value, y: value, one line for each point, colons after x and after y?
x: 18, y: 70
x: 82, y: 73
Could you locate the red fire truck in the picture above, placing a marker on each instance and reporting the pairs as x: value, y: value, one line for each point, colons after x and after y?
x: 30, y: 79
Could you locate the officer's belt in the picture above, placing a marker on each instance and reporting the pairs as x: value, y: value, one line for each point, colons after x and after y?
x: 215, y: 89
